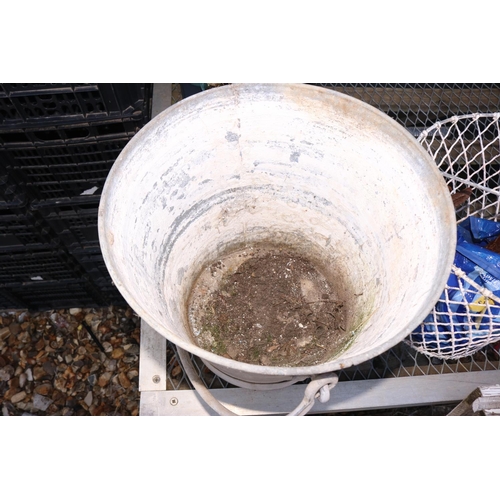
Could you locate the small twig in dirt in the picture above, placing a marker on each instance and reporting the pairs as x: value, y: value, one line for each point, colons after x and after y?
x: 319, y: 345
x: 321, y: 323
x: 94, y: 338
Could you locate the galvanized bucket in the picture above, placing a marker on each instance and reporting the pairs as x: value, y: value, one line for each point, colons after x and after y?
x: 329, y: 175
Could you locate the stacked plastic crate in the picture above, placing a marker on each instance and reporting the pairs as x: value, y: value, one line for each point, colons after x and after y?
x: 57, y: 144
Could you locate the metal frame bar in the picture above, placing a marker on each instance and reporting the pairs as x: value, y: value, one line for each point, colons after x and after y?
x: 358, y: 395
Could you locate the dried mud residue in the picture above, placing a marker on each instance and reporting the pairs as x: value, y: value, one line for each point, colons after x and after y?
x: 268, y: 307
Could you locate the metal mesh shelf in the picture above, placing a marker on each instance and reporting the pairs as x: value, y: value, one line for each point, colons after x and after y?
x: 417, y: 106
x: 400, y: 361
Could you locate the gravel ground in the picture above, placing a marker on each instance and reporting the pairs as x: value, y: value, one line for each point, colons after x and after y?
x: 69, y: 362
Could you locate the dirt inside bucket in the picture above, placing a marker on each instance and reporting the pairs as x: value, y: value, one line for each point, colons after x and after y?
x: 270, y: 307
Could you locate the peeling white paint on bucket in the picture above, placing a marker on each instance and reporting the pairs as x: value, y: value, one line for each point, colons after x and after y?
x: 291, y: 164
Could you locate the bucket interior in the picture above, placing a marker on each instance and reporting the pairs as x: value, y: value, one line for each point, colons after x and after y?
x: 284, y: 165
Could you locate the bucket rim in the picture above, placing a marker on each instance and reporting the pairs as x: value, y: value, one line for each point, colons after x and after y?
x: 335, y: 364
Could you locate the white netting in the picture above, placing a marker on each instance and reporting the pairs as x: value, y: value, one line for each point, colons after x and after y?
x: 467, y: 317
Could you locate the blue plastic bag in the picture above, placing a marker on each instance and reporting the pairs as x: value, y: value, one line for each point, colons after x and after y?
x: 448, y: 327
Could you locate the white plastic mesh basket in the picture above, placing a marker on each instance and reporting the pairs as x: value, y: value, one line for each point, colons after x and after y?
x: 467, y: 151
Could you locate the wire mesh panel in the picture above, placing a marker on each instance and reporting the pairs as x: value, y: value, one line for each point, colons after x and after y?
x: 400, y: 361
x: 467, y: 317
x: 417, y: 106
x: 177, y: 378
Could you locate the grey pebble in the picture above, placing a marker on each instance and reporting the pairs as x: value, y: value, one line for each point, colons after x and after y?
x: 6, y: 373
x: 41, y: 402
x: 88, y: 398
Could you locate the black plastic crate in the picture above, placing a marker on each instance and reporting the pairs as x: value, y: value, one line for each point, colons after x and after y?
x: 21, y: 231
x: 49, y: 173
x: 36, y: 104
x: 43, y: 264
x: 111, y: 296
x: 62, y: 135
x: 94, y: 267
x: 92, y: 262
x: 74, y: 222
x: 46, y: 295
x: 12, y: 194
x: 52, y: 271
x: 75, y: 225
x: 9, y: 301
